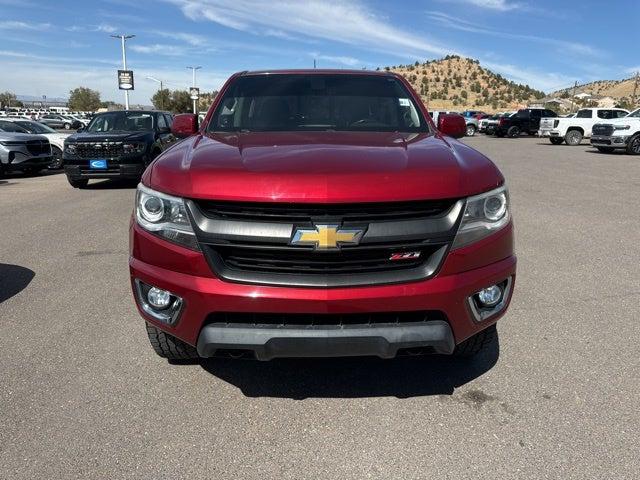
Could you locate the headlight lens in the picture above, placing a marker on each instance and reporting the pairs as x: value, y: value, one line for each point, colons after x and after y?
x: 484, y: 214
x: 134, y: 147
x: 621, y: 127
x: 165, y: 216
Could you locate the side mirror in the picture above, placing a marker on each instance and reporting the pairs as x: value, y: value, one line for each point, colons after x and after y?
x: 452, y: 125
x: 184, y: 125
x: 164, y: 130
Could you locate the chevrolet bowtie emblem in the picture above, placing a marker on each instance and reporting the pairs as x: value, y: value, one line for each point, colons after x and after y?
x: 327, y: 236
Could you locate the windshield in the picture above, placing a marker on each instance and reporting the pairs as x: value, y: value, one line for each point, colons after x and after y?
x: 635, y: 113
x: 317, y: 102
x: 11, y: 127
x: 35, y: 127
x: 121, y: 121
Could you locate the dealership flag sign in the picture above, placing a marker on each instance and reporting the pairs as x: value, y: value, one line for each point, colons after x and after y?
x: 125, y: 79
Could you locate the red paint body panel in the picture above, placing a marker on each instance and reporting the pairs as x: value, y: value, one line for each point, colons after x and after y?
x: 321, y: 167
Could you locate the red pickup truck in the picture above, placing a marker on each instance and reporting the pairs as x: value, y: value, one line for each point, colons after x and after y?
x: 320, y: 213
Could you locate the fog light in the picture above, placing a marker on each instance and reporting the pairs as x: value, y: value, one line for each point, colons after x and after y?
x: 160, y: 304
x: 158, y: 298
x: 490, y: 296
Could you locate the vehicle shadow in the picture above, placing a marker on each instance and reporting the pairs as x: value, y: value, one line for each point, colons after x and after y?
x: 352, y: 377
x: 13, y: 279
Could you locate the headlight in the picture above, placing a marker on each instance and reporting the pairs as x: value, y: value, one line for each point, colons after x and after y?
x: 621, y: 127
x: 70, y: 148
x: 484, y: 214
x: 9, y: 143
x: 134, y: 147
x: 165, y: 216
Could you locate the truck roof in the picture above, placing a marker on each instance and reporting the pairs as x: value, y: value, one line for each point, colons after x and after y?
x: 322, y: 71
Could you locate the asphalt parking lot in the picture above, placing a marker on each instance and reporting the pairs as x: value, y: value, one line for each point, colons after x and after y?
x: 84, y: 396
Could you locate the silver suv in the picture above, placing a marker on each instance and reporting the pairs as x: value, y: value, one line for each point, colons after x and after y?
x: 20, y: 150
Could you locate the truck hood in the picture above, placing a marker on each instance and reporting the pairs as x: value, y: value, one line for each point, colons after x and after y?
x: 620, y: 121
x: 324, y: 167
x: 20, y: 137
x: 107, y: 136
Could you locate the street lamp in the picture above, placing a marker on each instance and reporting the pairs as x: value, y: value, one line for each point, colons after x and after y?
x: 193, y: 71
x: 123, y: 39
x: 161, y: 90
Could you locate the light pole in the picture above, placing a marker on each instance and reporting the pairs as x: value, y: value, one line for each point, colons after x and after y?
x: 161, y: 91
x: 123, y: 39
x: 193, y: 71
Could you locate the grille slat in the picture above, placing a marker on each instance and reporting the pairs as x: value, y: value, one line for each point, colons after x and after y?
x: 345, y: 261
x: 604, y: 130
x: 298, y: 213
x: 99, y: 149
x: 38, y: 147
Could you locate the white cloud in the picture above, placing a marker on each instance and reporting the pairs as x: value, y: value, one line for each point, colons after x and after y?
x: 542, y: 80
x: 190, y: 38
x: 347, y: 22
x: 499, y: 5
x: 105, y: 27
x: 158, y: 49
x: 564, y: 46
x: 342, y: 60
x: 18, y: 25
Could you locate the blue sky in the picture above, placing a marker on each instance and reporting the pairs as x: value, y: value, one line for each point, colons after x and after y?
x: 49, y: 47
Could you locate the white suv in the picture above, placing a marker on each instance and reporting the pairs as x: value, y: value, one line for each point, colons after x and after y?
x: 573, y: 130
x: 621, y: 133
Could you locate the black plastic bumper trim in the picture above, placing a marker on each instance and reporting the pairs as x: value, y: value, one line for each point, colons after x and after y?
x: 379, y: 341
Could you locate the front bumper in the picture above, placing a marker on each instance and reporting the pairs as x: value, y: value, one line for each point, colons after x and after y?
x: 543, y: 132
x: 612, y: 141
x: 130, y: 168
x: 20, y: 159
x: 186, y: 274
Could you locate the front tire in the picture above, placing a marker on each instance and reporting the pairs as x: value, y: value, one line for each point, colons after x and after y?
x: 556, y: 140
x: 471, y: 130
x: 170, y: 347
x: 56, y: 163
x: 78, y: 182
x: 513, y: 132
x: 476, y: 344
x: 633, y: 147
x: 573, y: 138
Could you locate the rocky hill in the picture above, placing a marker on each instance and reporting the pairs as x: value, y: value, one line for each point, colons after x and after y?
x: 621, y: 90
x: 456, y: 83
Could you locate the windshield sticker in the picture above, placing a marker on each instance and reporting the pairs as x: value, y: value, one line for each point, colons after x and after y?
x: 404, y: 102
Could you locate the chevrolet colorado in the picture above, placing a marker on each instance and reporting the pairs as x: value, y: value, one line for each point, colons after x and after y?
x: 320, y: 213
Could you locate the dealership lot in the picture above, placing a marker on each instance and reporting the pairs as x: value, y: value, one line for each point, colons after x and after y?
x: 84, y: 395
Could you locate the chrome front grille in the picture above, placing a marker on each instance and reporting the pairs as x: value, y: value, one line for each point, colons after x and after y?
x: 252, y: 243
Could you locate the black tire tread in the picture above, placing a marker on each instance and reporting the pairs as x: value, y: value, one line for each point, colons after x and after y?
x: 78, y: 183
x: 168, y: 346
x: 480, y: 341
